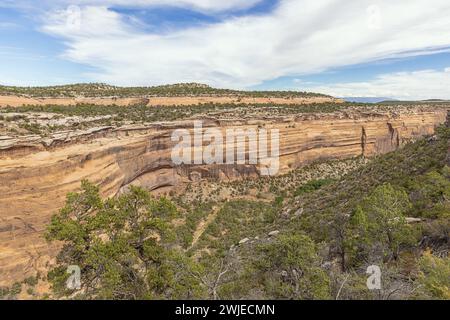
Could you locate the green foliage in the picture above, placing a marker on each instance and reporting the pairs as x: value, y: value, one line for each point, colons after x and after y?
x: 374, y: 231
x: 10, y: 293
x: 15, y: 289
x: 434, y: 277
x: 123, y: 247
x: 31, y: 281
x: 32, y: 128
x: 193, y: 216
x: 430, y: 194
x: 381, y: 222
x: 311, y: 186
x: 236, y: 220
x: 289, y: 268
x: 4, y: 291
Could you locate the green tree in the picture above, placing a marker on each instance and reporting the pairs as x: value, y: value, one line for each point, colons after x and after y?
x: 122, y: 245
x: 430, y: 194
x: 434, y: 276
x: 379, y: 221
x: 290, y: 269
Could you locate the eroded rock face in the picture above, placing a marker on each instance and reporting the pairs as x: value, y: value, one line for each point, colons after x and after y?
x: 37, y: 173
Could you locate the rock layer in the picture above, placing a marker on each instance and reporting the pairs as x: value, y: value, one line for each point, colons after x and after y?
x: 36, y: 173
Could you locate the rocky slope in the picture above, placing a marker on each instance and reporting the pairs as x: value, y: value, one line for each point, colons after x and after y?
x: 36, y: 173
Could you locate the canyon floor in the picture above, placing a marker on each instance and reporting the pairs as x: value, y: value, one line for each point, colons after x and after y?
x: 49, y: 144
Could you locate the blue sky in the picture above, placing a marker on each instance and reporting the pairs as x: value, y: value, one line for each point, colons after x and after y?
x: 30, y: 57
x: 361, y: 48
x: 364, y: 71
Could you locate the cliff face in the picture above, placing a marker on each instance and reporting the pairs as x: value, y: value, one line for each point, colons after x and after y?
x: 36, y: 173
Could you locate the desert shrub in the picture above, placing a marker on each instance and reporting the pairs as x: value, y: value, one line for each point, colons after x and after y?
x: 289, y: 268
x: 311, y: 186
x: 434, y: 277
x: 31, y: 281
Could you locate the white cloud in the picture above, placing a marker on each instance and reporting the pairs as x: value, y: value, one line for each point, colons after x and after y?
x: 299, y: 37
x: 417, y: 85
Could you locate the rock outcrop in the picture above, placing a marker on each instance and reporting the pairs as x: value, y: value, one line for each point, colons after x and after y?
x: 36, y: 173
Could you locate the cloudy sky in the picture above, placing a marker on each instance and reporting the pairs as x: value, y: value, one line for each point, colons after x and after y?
x: 398, y: 49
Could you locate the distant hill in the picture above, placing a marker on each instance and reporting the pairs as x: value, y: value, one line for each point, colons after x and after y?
x: 435, y: 100
x: 367, y: 99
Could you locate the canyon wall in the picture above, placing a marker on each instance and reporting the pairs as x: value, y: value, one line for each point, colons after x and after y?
x: 37, y: 173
